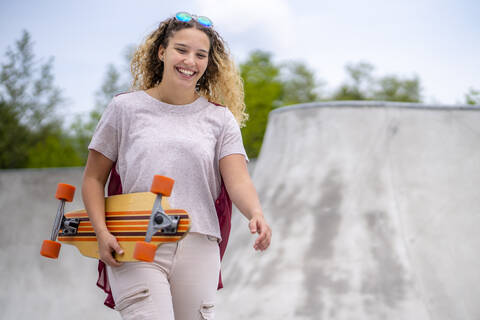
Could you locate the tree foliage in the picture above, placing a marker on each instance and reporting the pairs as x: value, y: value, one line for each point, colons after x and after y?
x: 358, y: 84
x: 269, y: 86
x: 84, y: 128
x: 30, y: 133
x: 362, y: 85
x: 26, y: 86
x: 114, y: 82
x: 263, y: 90
x: 472, y: 97
x: 391, y: 88
x: 299, y: 84
x: 14, y: 139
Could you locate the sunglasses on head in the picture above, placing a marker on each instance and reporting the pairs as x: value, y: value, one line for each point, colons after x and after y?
x: 186, y: 17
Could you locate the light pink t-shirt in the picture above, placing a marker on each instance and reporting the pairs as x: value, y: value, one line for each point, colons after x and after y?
x: 184, y: 142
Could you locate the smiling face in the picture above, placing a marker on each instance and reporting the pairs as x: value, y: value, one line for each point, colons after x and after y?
x: 185, y: 58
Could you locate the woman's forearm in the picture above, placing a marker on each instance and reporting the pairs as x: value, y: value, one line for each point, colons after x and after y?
x: 245, y: 198
x: 243, y: 194
x: 93, y: 188
x: 94, y: 199
x: 240, y: 186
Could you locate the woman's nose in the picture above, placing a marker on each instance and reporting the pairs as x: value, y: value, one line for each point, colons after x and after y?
x: 189, y: 60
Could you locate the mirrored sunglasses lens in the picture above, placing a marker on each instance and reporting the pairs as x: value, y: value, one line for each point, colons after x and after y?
x: 183, y: 16
x: 205, y: 21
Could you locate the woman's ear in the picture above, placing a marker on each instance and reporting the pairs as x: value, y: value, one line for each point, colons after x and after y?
x: 161, y: 53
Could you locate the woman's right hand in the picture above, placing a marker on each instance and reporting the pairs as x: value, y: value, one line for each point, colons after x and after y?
x: 107, y: 246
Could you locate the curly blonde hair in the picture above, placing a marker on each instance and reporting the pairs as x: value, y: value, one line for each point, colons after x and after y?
x: 221, y: 83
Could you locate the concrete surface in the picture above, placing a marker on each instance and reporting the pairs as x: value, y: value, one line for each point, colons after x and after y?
x: 34, y: 287
x: 374, y: 207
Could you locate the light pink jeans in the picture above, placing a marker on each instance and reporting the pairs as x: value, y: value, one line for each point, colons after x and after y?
x: 180, y: 284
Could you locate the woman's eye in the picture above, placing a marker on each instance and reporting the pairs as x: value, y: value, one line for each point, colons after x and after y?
x: 201, y: 56
x: 181, y: 50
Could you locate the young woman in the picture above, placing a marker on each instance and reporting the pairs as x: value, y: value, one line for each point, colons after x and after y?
x: 174, y: 125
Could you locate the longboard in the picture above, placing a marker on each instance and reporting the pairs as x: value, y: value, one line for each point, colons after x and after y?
x: 128, y: 217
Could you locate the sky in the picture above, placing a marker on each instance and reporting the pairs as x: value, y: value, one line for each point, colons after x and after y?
x: 436, y: 40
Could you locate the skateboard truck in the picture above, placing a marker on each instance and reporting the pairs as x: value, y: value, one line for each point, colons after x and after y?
x: 70, y: 226
x: 159, y: 220
x: 51, y: 248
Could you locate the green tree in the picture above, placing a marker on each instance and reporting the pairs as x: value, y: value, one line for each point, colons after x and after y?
x: 28, y: 99
x: 15, y: 139
x: 114, y: 82
x: 392, y: 88
x: 268, y: 86
x: 84, y: 128
x: 359, y: 83
x: 54, y: 149
x: 27, y: 87
x: 299, y: 85
x: 362, y: 85
x: 263, y: 92
x: 472, y: 97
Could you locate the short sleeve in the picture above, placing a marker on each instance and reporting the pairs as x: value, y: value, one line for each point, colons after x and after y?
x: 231, y: 140
x: 106, y: 138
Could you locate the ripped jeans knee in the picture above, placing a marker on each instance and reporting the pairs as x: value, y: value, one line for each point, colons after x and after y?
x: 135, y: 303
x: 207, y: 310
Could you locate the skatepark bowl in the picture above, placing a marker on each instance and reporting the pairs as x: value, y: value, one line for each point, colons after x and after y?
x: 374, y: 206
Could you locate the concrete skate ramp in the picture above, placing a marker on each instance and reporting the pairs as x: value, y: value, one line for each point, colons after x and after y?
x: 375, y: 210
x: 34, y: 287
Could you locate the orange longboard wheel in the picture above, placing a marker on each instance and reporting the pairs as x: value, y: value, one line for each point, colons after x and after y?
x: 144, y: 251
x: 65, y: 192
x: 50, y: 249
x: 162, y: 185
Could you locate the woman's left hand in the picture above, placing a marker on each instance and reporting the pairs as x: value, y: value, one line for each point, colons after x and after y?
x: 259, y: 225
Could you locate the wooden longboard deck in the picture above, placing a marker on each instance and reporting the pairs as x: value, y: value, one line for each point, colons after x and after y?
x: 127, y: 217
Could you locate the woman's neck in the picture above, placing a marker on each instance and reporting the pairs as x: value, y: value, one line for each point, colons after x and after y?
x: 172, y: 96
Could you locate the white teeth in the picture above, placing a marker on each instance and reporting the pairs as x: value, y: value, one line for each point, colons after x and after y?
x: 185, y: 72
